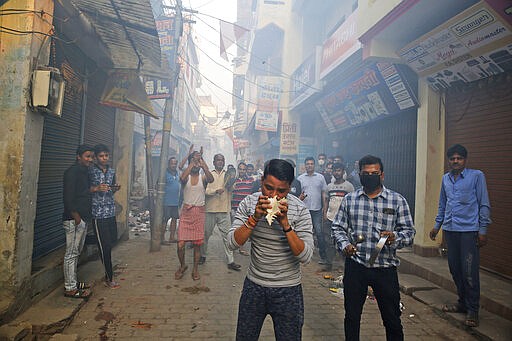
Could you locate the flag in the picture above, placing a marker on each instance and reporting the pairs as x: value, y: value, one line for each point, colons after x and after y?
x: 229, y: 34
x: 229, y: 132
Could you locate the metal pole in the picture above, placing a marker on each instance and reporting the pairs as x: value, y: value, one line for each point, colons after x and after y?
x: 149, y: 168
x: 157, y: 225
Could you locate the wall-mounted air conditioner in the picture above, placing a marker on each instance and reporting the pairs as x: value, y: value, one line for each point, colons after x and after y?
x: 48, y: 90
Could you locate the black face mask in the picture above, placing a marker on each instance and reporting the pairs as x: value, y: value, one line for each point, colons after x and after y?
x: 370, y: 182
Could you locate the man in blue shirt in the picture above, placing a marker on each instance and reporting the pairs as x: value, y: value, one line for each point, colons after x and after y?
x: 171, y: 200
x: 365, y: 217
x: 464, y: 213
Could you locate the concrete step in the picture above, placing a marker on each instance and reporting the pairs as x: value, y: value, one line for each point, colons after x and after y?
x: 495, y: 292
x: 492, y: 326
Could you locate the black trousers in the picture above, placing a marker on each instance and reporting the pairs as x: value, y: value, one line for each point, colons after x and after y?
x: 384, y: 282
x: 106, y: 233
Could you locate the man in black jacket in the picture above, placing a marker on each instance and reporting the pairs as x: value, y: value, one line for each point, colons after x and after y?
x: 76, y: 217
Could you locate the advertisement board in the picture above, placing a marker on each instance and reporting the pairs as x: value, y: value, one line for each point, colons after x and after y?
x: 340, y: 45
x: 473, y: 45
x: 372, y: 93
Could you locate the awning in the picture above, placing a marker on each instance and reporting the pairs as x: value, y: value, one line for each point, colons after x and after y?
x: 126, y: 29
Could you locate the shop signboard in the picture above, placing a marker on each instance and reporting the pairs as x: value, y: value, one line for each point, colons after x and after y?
x: 266, y: 121
x: 289, y: 139
x: 157, y: 88
x: 340, y: 45
x: 269, y: 95
x: 372, y: 93
x: 124, y: 89
x: 473, y: 45
x: 304, y: 80
x: 165, y: 27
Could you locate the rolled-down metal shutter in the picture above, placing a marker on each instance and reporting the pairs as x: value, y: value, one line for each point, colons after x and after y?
x: 61, y: 136
x: 479, y: 117
x: 100, y: 119
x: 393, y: 139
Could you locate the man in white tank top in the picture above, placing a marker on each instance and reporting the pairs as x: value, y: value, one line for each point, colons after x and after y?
x: 193, y: 211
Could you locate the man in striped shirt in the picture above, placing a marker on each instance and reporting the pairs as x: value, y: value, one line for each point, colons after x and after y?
x: 273, y: 282
x: 241, y: 188
x: 372, y: 212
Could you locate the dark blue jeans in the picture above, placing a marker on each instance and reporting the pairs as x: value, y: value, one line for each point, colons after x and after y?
x: 384, y: 282
x: 316, y: 217
x: 285, y: 305
x: 464, y: 263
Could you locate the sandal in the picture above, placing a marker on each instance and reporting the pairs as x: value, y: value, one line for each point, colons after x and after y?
x: 472, y: 319
x: 112, y: 285
x: 453, y: 308
x: 82, y: 285
x: 77, y: 293
x: 179, y: 274
x: 195, y: 276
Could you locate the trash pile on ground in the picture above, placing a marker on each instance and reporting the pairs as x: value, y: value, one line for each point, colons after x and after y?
x: 139, y: 220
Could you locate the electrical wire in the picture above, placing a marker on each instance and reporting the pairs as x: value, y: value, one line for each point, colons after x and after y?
x: 231, y: 71
x: 282, y: 73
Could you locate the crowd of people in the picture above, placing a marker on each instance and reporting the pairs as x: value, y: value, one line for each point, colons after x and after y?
x: 279, y: 220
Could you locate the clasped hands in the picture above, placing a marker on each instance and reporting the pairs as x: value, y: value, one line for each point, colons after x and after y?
x: 263, y: 204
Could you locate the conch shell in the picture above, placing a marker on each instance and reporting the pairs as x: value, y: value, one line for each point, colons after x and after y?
x: 274, y: 209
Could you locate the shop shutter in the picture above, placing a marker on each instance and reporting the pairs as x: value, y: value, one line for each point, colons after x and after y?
x: 393, y: 139
x: 479, y: 117
x: 61, y: 136
x: 100, y: 119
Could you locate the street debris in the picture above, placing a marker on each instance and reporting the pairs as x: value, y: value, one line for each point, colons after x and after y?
x: 142, y: 325
x: 196, y: 289
x: 139, y: 221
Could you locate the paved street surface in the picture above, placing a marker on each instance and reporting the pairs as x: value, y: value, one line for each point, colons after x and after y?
x: 152, y: 305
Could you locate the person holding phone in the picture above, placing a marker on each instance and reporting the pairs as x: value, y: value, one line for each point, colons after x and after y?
x: 103, y: 186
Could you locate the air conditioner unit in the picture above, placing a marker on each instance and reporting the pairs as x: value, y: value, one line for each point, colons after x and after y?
x: 48, y: 90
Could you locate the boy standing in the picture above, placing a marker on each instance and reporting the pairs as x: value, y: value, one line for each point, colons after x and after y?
x: 103, y: 186
x: 76, y: 216
x: 336, y: 191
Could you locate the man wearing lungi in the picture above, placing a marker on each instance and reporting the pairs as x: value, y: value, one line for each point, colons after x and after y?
x: 193, y: 211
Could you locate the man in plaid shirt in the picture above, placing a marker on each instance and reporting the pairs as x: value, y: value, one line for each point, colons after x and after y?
x: 366, y: 215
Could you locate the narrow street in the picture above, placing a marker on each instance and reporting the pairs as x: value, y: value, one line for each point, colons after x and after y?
x: 152, y: 305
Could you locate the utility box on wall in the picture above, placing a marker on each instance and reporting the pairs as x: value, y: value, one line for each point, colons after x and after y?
x: 48, y: 90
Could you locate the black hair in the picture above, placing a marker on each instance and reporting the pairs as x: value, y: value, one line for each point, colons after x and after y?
x: 241, y: 163
x: 338, y: 165
x: 84, y: 148
x: 370, y: 160
x: 309, y: 158
x: 280, y: 169
x: 218, y: 155
x: 249, y: 165
x: 322, y: 154
x: 457, y: 149
x: 100, y: 148
x: 191, y: 156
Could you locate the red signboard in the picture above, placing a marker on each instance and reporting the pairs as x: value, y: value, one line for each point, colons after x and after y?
x: 340, y: 45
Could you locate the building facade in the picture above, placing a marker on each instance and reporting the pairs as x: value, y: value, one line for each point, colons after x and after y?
x: 77, y: 44
x: 359, y: 78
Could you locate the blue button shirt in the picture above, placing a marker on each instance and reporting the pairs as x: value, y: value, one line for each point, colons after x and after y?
x: 464, y: 203
x: 172, y: 189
